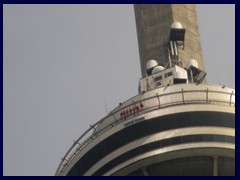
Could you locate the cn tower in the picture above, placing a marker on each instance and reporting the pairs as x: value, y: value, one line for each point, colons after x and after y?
x: 177, y: 125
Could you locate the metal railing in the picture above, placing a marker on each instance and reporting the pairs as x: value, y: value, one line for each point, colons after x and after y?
x: 183, y: 97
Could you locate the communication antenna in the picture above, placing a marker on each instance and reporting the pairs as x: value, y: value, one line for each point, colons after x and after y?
x: 219, y: 83
x: 106, y: 107
x: 176, y: 39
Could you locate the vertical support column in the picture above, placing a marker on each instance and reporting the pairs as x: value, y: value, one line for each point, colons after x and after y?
x: 207, y: 96
x: 158, y: 97
x: 215, y: 167
x: 183, y: 97
x: 145, y: 173
x: 230, y: 103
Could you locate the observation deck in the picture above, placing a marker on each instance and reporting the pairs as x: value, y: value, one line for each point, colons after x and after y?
x: 175, y: 124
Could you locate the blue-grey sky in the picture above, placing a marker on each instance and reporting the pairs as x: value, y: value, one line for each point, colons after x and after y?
x: 64, y: 66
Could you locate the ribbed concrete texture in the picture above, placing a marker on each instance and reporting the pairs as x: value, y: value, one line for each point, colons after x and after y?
x: 153, y: 23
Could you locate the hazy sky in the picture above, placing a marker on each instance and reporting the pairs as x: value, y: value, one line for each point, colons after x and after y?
x: 64, y: 66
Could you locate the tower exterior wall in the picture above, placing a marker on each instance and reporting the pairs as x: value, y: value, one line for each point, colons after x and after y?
x: 153, y: 29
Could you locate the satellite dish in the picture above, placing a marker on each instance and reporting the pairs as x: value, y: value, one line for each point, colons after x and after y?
x: 157, y: 69
x: 192, y: 62
x: 151, y: 64
x: 176, y: 25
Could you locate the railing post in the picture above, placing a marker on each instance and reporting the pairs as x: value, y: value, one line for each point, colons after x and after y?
x: 207, y: 96
x: 76, y: 142
x: 183, y: 97
x: 113, y: 115
x: 134, y: 113
x: 63, y: 159
x: 231, y: 99
x: 92, y: 127
x: 215, y: 166
x: 158, y: 100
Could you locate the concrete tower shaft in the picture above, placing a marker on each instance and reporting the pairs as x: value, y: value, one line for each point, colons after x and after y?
x: 153, y: 23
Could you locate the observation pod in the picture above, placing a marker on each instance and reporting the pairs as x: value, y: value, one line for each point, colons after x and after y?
x: 177, y: 124
x: 176, y: 130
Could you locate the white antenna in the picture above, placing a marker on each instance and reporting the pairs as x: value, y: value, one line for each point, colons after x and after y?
x: 105, y: 107
x: 218, y: 82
